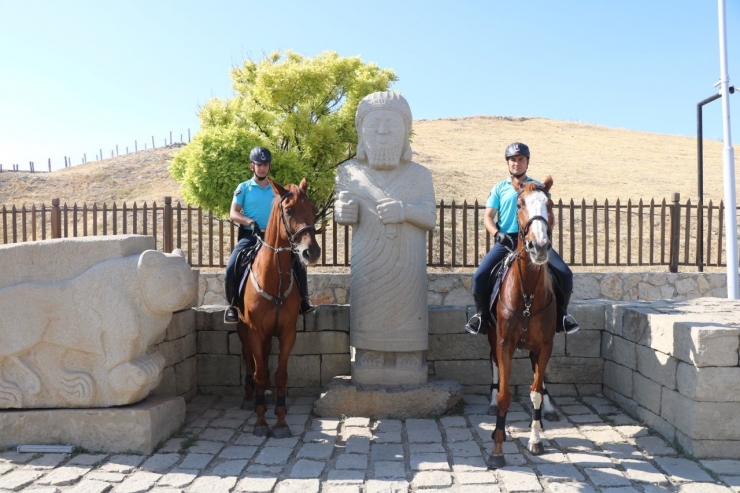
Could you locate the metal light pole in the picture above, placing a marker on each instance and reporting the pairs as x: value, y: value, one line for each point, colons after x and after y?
x: 728, y: 158
x: 700, y: 172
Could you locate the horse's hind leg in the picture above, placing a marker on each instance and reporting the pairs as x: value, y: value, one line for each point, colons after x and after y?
x: 550, y: 413
x: 281, y: 428
x: 493, y: 407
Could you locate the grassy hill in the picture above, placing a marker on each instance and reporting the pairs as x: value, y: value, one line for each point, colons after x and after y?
x: 465, y: 156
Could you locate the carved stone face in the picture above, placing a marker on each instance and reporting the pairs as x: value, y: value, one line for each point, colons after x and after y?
x: 383, y: 134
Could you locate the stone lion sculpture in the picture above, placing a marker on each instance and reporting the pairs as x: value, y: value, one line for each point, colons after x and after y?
x: 90, y: 341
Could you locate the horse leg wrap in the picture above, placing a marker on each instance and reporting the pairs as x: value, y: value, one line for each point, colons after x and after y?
x: 494, y: 386
x: 259, y: 400
x: 545, y: 392
x: 537, y: 416
x: 280, y: 401
x: 500, y: 425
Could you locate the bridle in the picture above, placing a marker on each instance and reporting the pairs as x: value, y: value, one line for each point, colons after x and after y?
x: 524, y: 231
x: 292, y: 237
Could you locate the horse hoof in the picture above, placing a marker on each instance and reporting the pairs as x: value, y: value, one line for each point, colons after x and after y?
x: 281, y: 433
x: 247, y: 405
x: 552, y: 416
x: 496, y: 461
x: 261, y: 431
x: 536, y: 448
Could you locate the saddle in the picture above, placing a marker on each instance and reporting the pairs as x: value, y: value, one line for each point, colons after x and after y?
x: 496, y: 278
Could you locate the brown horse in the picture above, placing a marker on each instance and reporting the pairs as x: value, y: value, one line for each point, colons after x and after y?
x: 272, y: 300
x: 525, y: 315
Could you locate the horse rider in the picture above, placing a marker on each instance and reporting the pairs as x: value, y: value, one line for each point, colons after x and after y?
x: 502, y: 203
x: 251, y: 208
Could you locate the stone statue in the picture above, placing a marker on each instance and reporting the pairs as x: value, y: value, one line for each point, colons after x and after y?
x: 389, y: 201
x: 88, y: 341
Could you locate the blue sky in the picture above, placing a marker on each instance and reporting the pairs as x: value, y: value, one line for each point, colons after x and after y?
x: 78, y: 76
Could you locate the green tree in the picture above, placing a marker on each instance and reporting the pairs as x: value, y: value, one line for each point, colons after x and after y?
x: 300, y: 108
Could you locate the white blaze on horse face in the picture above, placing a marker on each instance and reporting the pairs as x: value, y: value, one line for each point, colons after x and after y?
x: 537, y: 206
x: 307, y: 249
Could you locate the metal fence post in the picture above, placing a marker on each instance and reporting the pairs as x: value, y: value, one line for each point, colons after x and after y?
x: 167, y: 225
x: 675, y: 232
x: 56, y: 219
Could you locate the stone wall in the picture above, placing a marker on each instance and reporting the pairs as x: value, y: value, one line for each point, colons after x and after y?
x: 676, y: 367
x: 455, y: 289
x: 322, y: 352
x: 178, y: 348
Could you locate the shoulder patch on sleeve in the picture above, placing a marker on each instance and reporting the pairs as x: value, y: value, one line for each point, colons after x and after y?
x: 237, y: 192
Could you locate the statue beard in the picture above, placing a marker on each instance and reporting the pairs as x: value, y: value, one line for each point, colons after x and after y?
x: 384, y: 157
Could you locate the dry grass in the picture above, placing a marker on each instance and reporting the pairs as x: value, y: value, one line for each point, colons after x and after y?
x: 465, y: 156
x: 586, y: 161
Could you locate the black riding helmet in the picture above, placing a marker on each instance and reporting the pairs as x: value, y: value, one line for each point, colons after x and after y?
x: 517, y: 149
x: 260, y: 155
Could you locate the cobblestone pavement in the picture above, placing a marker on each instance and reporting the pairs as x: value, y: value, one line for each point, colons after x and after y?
x: 594, y: 447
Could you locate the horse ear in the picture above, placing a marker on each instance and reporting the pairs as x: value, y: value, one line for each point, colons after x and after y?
x: 304, y: 185
x: 547, y: 184
x: 276, y: 187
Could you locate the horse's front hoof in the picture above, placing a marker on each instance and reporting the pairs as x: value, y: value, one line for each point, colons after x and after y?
x: 247, y: 405
x: 496, y: 461
x: 552, y: 416
x: 261, y: 431
x: 536, y: 448
x: 281, y: 433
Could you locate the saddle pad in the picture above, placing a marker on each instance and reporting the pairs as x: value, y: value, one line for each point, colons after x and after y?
x: 244, y: 265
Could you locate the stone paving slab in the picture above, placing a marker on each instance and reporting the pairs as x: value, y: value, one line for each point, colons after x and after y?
x: 595, y: 447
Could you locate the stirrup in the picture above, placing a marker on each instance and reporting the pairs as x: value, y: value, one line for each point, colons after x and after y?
x: 307, y: 306
x: 474, y: 324
x: 231, y: 316
x: 570, y: 325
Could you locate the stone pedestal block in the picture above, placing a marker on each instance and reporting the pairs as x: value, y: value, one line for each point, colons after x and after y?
x: 134, y: 428
x: 435, y: 398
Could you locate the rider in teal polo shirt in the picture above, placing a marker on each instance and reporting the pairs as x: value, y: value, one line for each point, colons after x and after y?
x: 501, y: 222
x: 250, y: 209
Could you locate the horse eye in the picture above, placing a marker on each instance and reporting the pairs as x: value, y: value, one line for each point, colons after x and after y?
x: 289, y: 211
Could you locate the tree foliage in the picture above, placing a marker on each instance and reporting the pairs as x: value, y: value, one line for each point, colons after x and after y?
x: 300, y: 108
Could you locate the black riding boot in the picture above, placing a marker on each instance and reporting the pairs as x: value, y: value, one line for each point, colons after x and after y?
x: 479, y: 323
x: 231, y: 316
x: 566, y: 322
x: 301, y: 275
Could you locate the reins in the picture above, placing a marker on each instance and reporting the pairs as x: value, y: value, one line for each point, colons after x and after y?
x: 278, y: 300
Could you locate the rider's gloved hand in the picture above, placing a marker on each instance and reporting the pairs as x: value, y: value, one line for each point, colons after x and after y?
x: 256, y: 229
x: 502, y: 237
